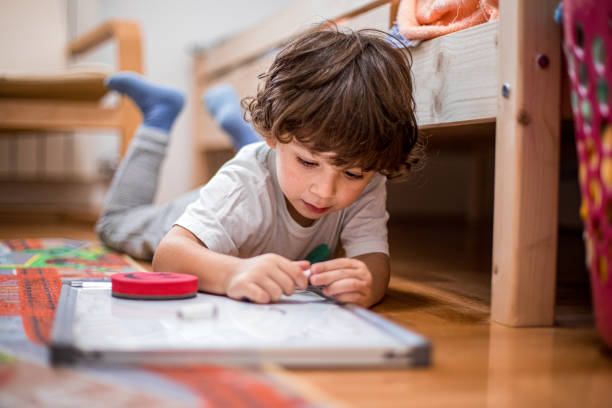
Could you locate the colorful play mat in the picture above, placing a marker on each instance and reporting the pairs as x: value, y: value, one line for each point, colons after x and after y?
x: 31, y: 273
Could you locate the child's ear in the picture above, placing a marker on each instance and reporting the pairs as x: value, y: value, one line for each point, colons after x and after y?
x: 271, y: 142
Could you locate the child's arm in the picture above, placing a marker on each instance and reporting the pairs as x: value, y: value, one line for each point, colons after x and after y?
x: 361, y: 280
x: 261, y: 279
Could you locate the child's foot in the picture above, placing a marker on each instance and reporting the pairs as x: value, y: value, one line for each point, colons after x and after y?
x: 159, y: 105
x: 224, y: 106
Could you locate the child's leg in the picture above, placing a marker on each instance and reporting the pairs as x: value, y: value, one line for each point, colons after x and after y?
x: 224, y: 105
x: 159, y: 105
x: 129, y: 221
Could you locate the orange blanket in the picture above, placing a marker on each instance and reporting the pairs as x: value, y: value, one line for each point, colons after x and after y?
x: 424, y: 19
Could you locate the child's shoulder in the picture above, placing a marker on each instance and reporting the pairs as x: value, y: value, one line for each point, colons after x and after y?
x: 251, y: 165
x: 251, y: 156
x: 248, y: 178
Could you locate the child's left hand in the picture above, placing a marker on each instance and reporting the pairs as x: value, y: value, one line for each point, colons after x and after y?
x: 348, y: 280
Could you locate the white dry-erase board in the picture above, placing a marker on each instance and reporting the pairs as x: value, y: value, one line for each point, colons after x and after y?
x: 303, y: 330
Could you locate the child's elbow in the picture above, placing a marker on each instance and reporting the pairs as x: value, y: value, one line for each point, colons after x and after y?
x: 174, y: 249
x: 157, y: 259
x: 163, y: 256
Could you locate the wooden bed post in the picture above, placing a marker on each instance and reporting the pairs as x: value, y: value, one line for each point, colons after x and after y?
x: 526, y: 164
x: 394, y: 7
x: 129, y: 57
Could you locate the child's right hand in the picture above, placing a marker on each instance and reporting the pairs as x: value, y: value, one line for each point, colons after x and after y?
x: 265, y: 278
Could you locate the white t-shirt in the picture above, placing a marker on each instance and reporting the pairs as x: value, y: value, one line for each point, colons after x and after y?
x: 241, y: 211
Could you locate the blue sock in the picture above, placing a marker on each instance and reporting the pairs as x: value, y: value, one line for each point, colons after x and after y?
x: 223, y: 104
x: 159, y: 105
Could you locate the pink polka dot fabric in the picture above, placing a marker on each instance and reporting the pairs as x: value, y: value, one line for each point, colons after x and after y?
x: 587, y: 29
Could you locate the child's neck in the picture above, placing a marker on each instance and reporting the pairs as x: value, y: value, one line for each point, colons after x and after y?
x: 297, y: 217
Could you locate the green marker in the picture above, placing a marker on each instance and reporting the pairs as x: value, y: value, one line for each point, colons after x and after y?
x: 319, y: 254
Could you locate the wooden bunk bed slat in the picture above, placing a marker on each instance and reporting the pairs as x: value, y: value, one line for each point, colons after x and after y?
x: 456, y: 77
x: 296, y: 18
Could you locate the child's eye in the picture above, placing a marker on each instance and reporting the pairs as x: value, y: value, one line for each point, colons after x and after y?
x: 306, y: 162
x: 353, y: 176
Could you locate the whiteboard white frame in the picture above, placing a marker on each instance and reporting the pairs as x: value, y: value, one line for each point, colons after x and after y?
x: 410, y: 349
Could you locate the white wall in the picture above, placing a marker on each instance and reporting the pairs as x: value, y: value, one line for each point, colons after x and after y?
x: 20, y: 40
x: 170, y: 30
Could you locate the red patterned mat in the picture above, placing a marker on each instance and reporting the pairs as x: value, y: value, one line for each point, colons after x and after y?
x: 31, y: 273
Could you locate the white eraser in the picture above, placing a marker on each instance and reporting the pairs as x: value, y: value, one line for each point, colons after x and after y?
x: 198, y: 311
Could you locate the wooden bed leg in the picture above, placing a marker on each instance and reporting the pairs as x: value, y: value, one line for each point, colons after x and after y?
x: 526, y: 165
x: 393, y: 12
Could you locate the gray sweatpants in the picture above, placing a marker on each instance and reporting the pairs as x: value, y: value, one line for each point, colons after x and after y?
x: 130, y: 222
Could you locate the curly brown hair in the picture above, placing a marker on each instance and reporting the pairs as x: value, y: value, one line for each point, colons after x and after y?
x: 346, y: 92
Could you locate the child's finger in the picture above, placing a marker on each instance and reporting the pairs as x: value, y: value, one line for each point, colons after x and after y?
x: 333, y: 264
x: 302, y: 264
x: 345, y: 286
x: 284, y: 280
x: 271, y: 287
x: 351, y: 297
x: 327, y: 278
x: 254, y: 293
x: 295, y: 270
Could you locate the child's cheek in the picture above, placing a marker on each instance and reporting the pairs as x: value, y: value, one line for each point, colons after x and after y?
x: 350, y: 193
x: 295, y: 176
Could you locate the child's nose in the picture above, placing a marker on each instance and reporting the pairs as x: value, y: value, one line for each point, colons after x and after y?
x: 324, y: 186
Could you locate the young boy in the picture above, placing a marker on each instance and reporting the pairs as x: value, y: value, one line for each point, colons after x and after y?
x: 336, y: 113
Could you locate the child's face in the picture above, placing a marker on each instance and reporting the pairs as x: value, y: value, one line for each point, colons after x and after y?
x: 312, y: 185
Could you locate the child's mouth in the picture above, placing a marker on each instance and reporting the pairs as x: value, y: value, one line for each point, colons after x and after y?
x: 315, y: 209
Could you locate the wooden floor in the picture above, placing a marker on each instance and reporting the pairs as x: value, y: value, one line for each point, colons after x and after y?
x: 440, y: 288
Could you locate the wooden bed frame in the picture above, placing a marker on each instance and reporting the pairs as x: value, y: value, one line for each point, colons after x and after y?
x: 459, y: 79
x: 70, y: 99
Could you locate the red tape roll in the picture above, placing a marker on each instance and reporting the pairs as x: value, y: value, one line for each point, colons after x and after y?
x: 154, y: 285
